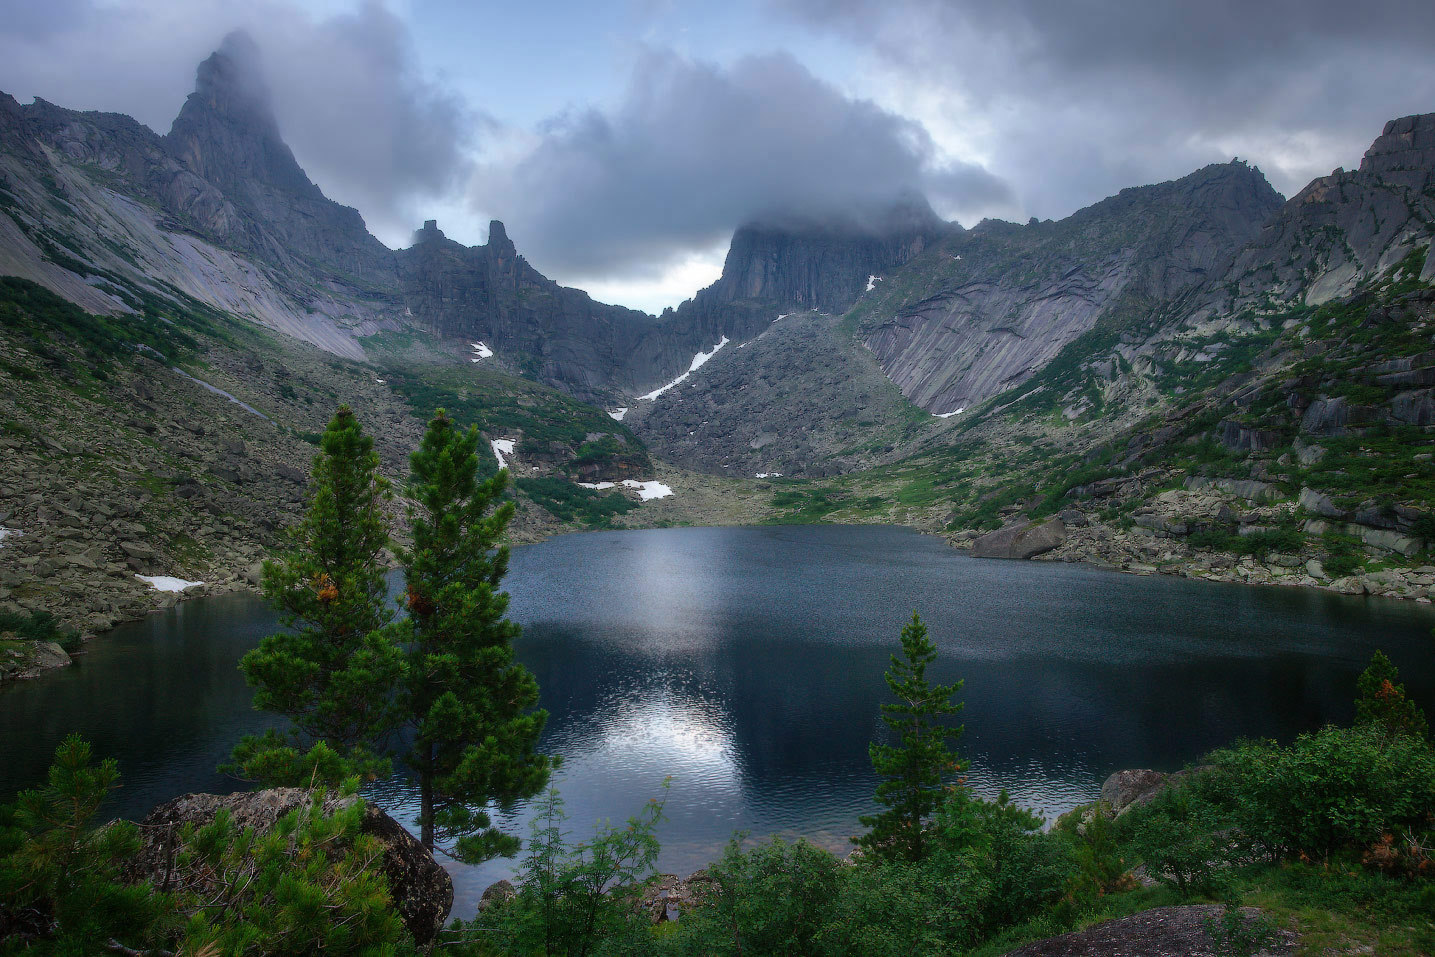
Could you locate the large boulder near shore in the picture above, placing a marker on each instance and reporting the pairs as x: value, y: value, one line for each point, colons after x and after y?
x: 422, y: 890
x: 1020, y: 540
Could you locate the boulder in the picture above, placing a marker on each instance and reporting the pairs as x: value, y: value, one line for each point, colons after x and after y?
x: 1021, y: 540
x: 1318, y: 503
x: 1126, y: 789
x: 421, y: 889
x: 499, y: 892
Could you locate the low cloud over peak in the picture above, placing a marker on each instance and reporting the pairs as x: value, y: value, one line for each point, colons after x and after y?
x: 695, y: 149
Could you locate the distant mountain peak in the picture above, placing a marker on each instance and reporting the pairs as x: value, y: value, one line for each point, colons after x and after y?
x: 226, y: 130
x: 231, y: 83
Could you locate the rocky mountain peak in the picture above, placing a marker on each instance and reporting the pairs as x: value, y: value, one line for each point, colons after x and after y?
x: 1405, y: 144
x: 226, y: 131
x: 498, y: 241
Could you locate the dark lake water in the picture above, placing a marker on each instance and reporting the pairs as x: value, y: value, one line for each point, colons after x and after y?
x: 746, y: 663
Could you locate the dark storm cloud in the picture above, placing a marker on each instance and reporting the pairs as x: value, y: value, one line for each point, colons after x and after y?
x: 346, y: 90
x: 1079, y: 99
x: 695, y: 149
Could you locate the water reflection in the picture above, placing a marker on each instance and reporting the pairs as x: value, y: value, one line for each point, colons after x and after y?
x: 747, y: 665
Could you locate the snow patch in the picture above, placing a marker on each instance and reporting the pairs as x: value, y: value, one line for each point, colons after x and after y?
x: 167, y: 582
x: 218, y: 391
x: 699, y: 361
x: 7, y: 532
x: 596, y: 485
x: 872, y: 282
x: 502, y: 447
x: 780, y: 318
x: 769, y: 475
x: 650, y: 490
x: 618, y: 413
x: 480, y: 351
x: 379, y: 381
x: 948, y: 415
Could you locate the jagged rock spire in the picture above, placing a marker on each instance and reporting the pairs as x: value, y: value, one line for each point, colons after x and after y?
x: 226, y: 130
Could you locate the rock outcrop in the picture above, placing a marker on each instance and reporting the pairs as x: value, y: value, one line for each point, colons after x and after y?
x: 422, y: 890
x: 1161, y: 932
x: 1020, y: 540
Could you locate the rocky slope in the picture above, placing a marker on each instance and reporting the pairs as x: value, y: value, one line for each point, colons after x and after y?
x: 987, y: 308
x: 795, y: 400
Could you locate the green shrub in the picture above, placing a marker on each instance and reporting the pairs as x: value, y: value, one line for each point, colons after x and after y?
x: 1336, y: 789
x: 574, y: 899
x: 775, y: 898
x: 571, y: 503
x: 40, y: 626
x: 1175, y: 835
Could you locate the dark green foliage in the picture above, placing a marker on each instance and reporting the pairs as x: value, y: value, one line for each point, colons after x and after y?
x: 311, y: 884
x: 1021, y: 869
x: 576, y: 899
x: 570, y: 503
x: 1381, y: 702
x: 1258, y: 544
x: 1175, y: 835
x: 39, y: 626
x: 469, y: 704
x: 1234, y: 934
x: 1334, y: 790
x: 775, y: 898
x: 55, y: 326
x: 917, y: 769
x: 334, y: 670
x: 501, y: 405
x: 59, y: 875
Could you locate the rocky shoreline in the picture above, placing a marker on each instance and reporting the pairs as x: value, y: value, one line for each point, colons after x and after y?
x: 1156, y: 538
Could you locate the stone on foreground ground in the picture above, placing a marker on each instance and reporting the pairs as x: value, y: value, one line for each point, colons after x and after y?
x: 1161, y: 932
x: 422, y: 890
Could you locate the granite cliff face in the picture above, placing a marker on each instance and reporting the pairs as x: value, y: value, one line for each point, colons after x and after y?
x: 226, y: 135
x: 987, y: 308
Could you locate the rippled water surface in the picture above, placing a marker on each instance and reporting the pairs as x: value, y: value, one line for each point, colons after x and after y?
x: 746, y: 663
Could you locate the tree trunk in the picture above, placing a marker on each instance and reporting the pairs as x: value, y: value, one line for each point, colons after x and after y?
x: 426, y: 799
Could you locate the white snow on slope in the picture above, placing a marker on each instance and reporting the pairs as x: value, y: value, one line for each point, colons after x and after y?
x: 502, y: 447
x: 780, y: 318
x: 167, y: 582
x: 649, y: 490
x: 948, y: 415
x: 872, y: 282
x: 769, y: 475
x: 480, y: 351
x: 646, y: 490
x: 699, y: 361
x: 619, y: 412
x: 7, y: 532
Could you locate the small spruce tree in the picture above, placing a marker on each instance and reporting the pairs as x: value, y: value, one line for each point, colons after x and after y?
x: 334, y: 670
x: 1381, y: 702
x: 470, y: 705
x: 916, y: 769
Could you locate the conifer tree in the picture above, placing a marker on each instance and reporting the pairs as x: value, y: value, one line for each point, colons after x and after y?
x: 917, y: 768
x: 334, y: 670
x: 1380, y: 701
x: 470, y: 705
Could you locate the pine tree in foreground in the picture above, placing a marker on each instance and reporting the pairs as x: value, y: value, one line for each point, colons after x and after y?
x: 334, y: 670
x: 918, y: 768
x: 1381, y: 702
x: 471, y: 707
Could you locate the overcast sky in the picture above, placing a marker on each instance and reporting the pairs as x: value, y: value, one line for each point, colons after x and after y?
x: 622, y: 142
